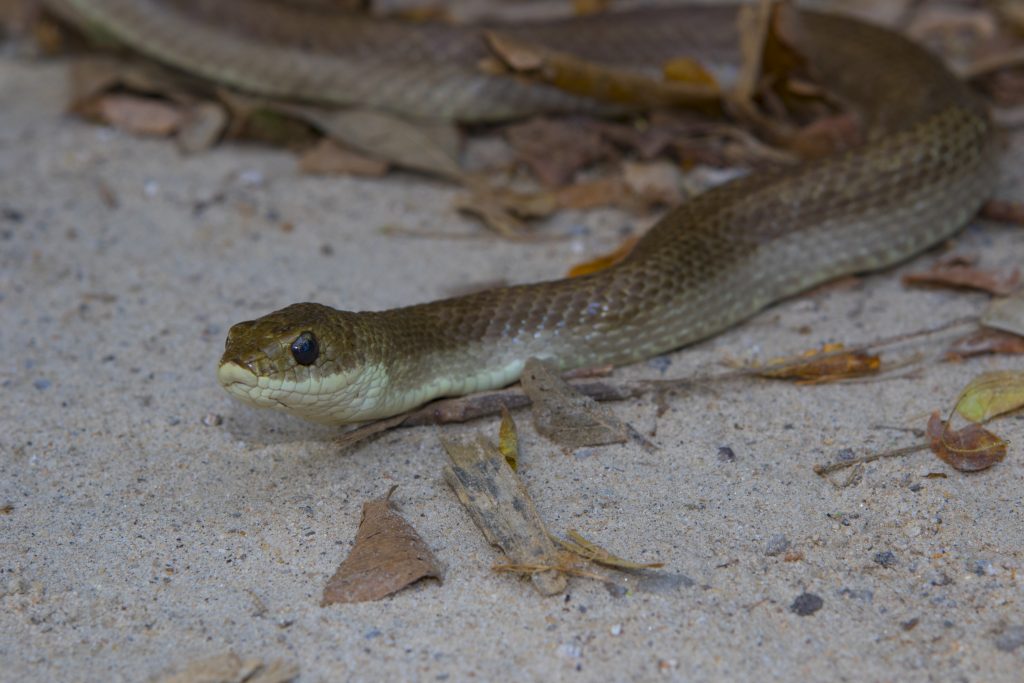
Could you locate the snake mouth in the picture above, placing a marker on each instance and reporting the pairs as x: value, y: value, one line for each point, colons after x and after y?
x: 238, y: 380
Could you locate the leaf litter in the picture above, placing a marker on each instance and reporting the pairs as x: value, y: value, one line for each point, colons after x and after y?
x: 387, y: 556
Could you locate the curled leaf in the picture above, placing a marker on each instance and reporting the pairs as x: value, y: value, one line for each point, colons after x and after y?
x: 991, y: 394
x: 970, y: 449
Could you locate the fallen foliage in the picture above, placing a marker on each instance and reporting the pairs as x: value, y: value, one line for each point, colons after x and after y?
x: 387, y: 556
x: 984, y: 341
x: 970, y: 449
x: 991, y: 394
x: 959, y: 271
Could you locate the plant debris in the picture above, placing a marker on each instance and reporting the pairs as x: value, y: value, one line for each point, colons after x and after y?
x: 564, y: 415
x: 984, y: 341
x: 499, y: 504
x: 959, y: 271
x: 970, y: 449
x: 387, y: 556
x: 830, y: 363
x: 230, y: 668
x: 508, y: 439
x: 595, y: 553
x: 991, y: 394
x: 1006, y: 314
x: 328, y: 157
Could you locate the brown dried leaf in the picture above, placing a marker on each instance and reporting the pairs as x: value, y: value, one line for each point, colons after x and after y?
x: 327, y: 157
x: 139, y: 115
x: 555, y: 149
x: 564, y: 415
x: 595, y: 553
x: 958, y: 271
x: 1003, y: 211
x: 203, y: 125
x: 970, y: 449
x: 230, y: 668
x: 387, y: 556
x: 1006, y: 314
x: 499, y: 504
x: 656, y: 183
x: 602, y: 82
x: 984, y: 341
x: 829, y: 363
x: 687, y: 70
x: 991, y: 394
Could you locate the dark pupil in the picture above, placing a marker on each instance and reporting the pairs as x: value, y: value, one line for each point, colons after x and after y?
x: 305, y: 349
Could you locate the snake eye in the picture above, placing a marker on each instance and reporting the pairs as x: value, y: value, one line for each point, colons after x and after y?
x: 305, y: 349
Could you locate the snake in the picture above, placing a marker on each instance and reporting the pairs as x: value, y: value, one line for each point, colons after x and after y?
x: 925, y: 164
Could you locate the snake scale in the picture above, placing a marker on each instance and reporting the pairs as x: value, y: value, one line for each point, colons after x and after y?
x: 926, y: 164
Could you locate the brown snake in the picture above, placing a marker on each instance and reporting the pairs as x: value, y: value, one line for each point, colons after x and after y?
x: 925, y: 167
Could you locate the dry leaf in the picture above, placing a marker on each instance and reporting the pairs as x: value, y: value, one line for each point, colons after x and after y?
x: 687, y: 70
x: 606, y: 260
x: 499, y: 504
x: 595, y: 553
x: 657, y: 183
x: 984, y: 341
x: 508, y: 439
x: 829, y: 363
x: 555, y: 149
x: 329, y: 157
x: 387, y: 556
x: 202, y: 126
x: 598, y: 81
x: 991, y: 394
x: 970, y: 449
x: 139, y: 115
x: 958, y: 271
x: 230, y: 668
x: 1002, y: 211
x: 1006, y: 314
x: 564, y: 415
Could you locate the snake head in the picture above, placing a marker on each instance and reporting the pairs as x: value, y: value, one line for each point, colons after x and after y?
x: 308, y: 360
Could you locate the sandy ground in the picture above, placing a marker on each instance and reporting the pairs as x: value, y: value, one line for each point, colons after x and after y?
x: 137, y: 536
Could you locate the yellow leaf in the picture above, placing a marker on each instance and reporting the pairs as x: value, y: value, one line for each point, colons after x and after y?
x: 508, y: 439
x: 991, y: 394
x: 687, y: 70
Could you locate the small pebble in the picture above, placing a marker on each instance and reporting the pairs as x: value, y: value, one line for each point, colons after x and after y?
x: 212, y: 420
x: 777, y: 545
x: 726, y: 454
x: 1011, y: 638
x: 174, y: 421
x: 806, y: 604
x: 887, y: 559
x: 616, y: 629
x: 41, y: 384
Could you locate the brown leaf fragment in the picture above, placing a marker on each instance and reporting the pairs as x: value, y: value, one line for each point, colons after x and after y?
x: 831, y: 362
x: 203, y: 125
x: 960, y: 272
x: 230, y: 668
x: 139, y: 115
x: 387, y: 556
x: 502, y: 509
x: 984, y: 341
x: 656, y: 183
x: 564, y: 415
x: 554, y: 149
x: 1006, y: 314
x: 615, y: 85
x: 328, y: 157
x: 591, y: 551
x: 970, y: 449
x: 1003, y: 211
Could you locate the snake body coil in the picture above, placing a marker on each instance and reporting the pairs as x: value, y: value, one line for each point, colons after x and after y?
x: 925, y: 167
